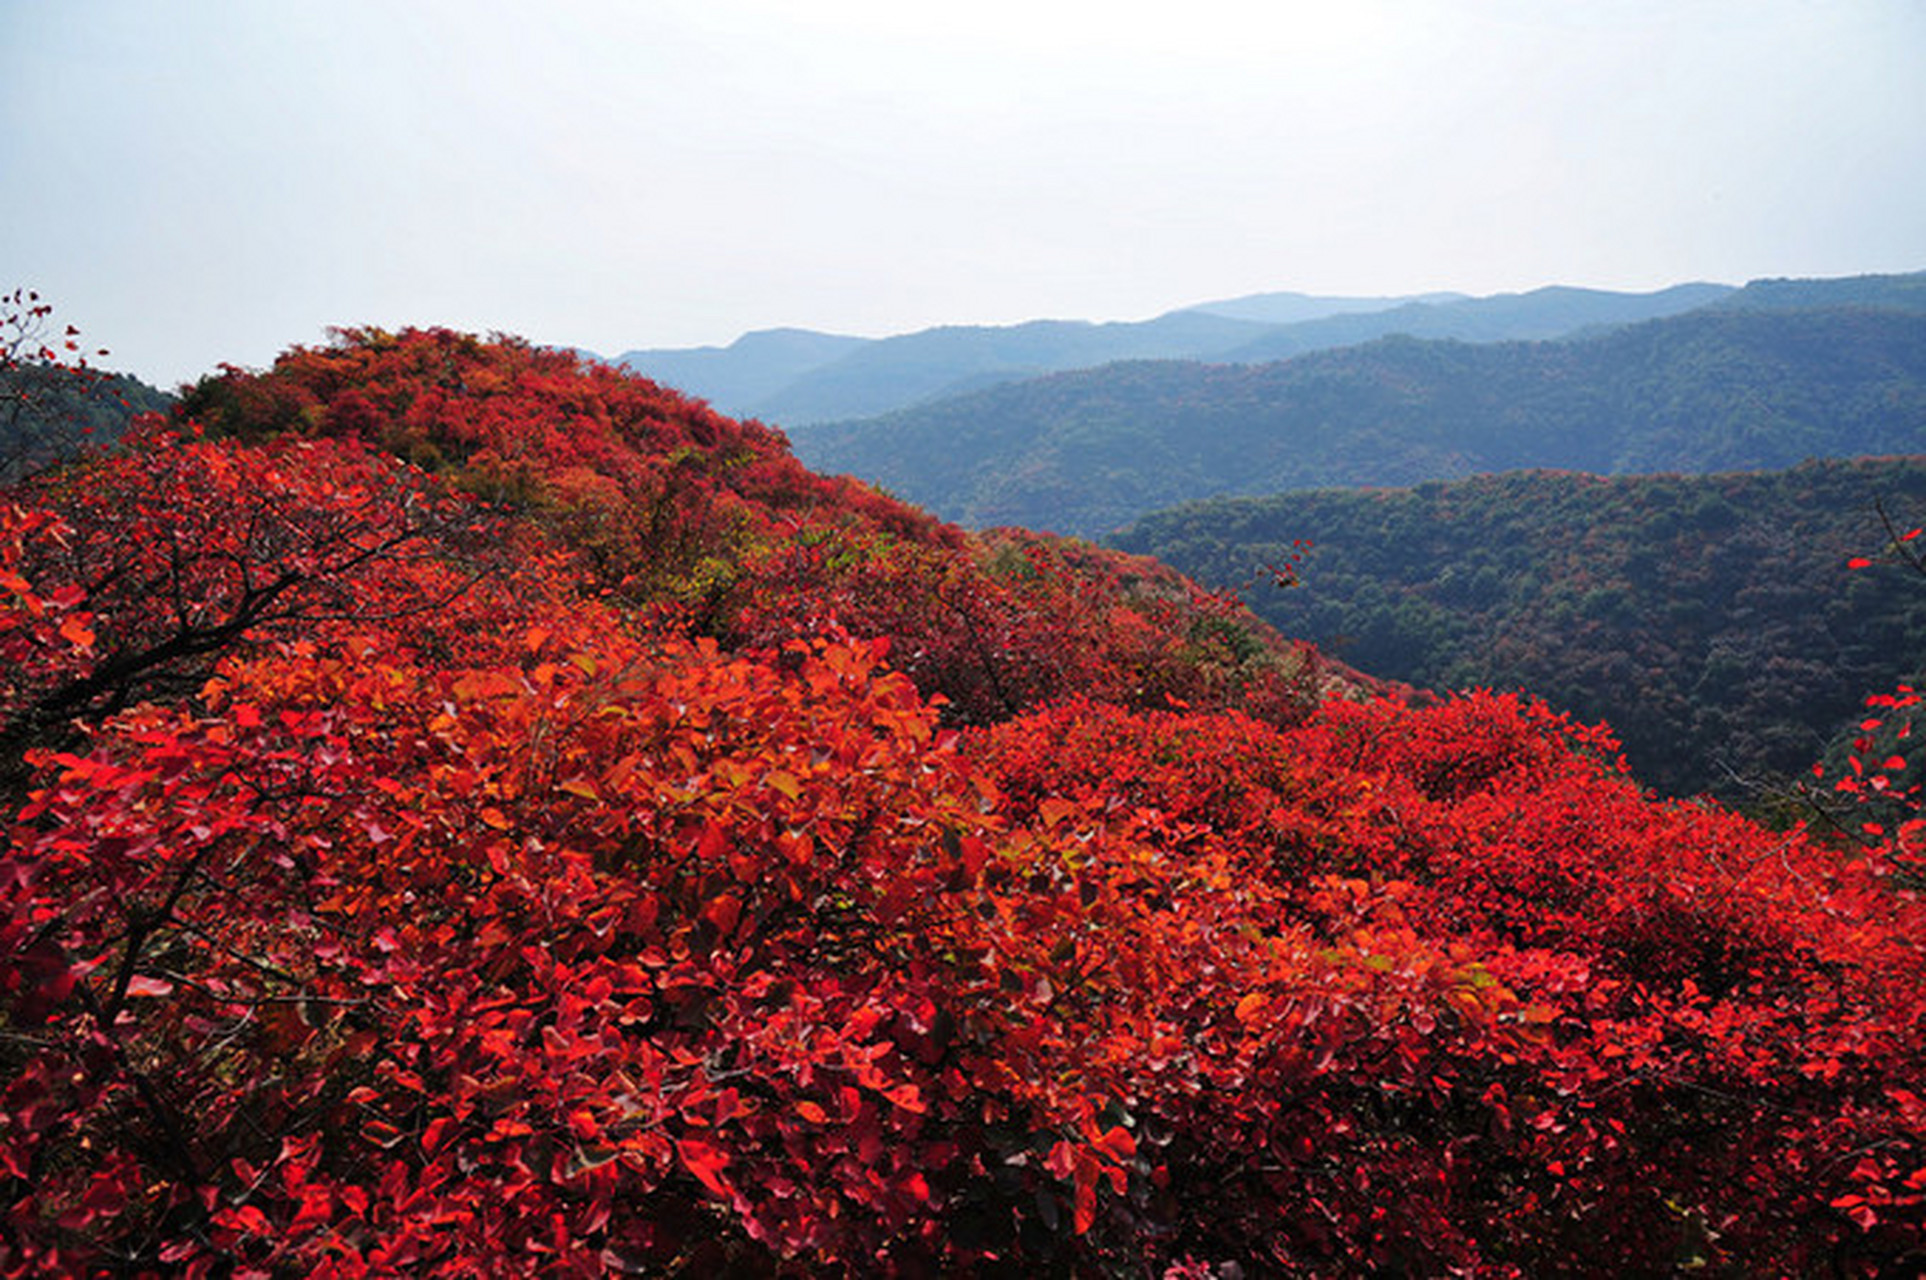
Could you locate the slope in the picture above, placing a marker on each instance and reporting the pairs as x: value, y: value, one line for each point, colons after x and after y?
x: 457, y: 890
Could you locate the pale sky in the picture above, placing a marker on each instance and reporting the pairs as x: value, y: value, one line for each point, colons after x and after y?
x: 195, y: 181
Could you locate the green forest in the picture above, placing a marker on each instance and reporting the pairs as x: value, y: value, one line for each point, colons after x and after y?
x: 47, y: 412
x: 1711, y: 620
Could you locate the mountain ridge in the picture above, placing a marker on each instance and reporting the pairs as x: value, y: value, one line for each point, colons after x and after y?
x: 1714, y: 389
x: 802, y: 377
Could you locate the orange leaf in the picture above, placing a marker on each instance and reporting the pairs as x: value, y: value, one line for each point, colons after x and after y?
x: 1055, y: 810
x: 77, y: 633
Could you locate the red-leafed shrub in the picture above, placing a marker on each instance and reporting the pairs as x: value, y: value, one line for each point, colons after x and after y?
x: 398, y: 884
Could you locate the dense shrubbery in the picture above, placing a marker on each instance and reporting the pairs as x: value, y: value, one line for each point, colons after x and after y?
x: 706, y: 525
x: 447, y: 866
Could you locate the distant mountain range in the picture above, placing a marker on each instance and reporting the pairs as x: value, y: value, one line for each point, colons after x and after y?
x: 1553, y: 312
x: 798, y: 377
x: 748, y: 371
x: 1762, y: 377
x: 1293, y: 308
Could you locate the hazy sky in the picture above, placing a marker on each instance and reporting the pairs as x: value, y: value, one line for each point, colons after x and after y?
x: 195, y: 182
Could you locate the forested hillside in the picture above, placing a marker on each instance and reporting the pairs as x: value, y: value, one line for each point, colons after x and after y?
x: 467, y: 811
x: 1089, y: 452
x: 1883, y: 292
x: 1710, y: 620
x: 49, y: 407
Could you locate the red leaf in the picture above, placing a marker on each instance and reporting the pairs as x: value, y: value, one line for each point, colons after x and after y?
x: 246, y: 1218
x: 723, y: 913
x: 1118, y: 1144
x: 1086, y: 1211
x: 705, y: 1162
x: 437, y: 1134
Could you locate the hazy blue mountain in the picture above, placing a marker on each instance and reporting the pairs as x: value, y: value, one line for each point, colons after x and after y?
x: 894, y: 372
x: 1892, y: 292
x: 1089, y: 451
x: 1553, y: 312
x: 752, y: 368
x: 1293, y: 308
x: 797, y: 377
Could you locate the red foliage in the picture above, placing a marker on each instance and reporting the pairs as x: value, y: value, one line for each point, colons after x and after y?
x: 715, y: 528
x: 1026, y: 620
x: 458, y: 911
x: 657, y: 490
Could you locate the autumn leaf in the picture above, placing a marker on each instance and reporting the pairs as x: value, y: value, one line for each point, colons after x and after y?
x: 705, y: 1162
x: 77, y: 633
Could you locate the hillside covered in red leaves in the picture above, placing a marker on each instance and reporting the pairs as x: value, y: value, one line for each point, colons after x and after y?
x: 472, y: 812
